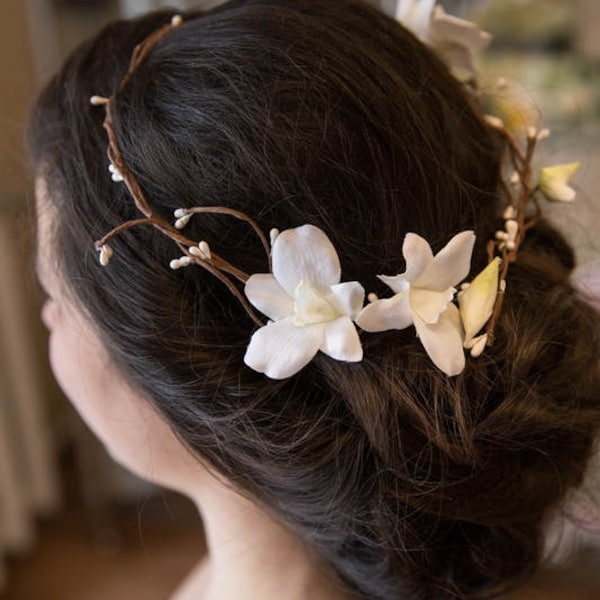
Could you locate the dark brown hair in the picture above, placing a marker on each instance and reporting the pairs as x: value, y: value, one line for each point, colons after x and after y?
x: 408, y: 483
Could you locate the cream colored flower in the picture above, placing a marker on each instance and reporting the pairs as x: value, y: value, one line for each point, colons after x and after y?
x: 423, y: 298
x: 453, y: 38
x: 476, y: 304
x: 311, y: 310
x: 416, y: 16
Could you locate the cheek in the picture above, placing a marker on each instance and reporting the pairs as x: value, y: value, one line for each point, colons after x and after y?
x: 84, y: 376
x: 73, y: 366
x: 129, y: 429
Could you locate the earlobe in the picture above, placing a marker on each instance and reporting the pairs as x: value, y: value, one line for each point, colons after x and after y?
x: 50, y: 313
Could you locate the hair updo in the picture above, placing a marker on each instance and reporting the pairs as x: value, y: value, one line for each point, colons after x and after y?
x: 410, y: 484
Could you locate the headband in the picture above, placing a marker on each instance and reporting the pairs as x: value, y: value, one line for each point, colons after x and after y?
x: 309, y: 308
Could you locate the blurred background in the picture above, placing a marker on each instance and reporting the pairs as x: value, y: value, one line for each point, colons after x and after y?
x: 72, y: 523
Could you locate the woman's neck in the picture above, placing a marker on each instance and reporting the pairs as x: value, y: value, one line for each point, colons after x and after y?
x: 251, y: 555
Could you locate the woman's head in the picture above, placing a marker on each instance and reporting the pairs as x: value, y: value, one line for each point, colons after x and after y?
x: 331, y: 114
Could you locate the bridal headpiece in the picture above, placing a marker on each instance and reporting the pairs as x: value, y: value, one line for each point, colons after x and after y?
x: 309, y: 307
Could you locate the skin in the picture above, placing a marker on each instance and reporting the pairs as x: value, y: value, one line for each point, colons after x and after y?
x: 250, y: 554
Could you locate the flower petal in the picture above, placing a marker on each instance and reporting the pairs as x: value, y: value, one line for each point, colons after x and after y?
x: 477, y: 345
x: 450, y: 265
x: 448, y: 28
x: 348, y: 298
x: 459, y: 58
x: 428, y: 305
x: 455, y: 40
x: 415, y: 15
x: 560, y: 192
x: 443, y: 341
x: 310, y: 308
x: 341, y: 341
x: 389, y: 313
x: 477, y: 301
x: 268, y: 296
x: 554, y: 181
x: 398, y: 283
x: 281, y: 349
x: 418, y: 256
x: 305, y: 254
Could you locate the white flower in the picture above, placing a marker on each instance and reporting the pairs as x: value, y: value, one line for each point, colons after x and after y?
x: 554, y: 181
x: 309, y: 307
x: 476, y: 302
x: 416, y: 15
x: 456, y: 40
x: 453, y: 38
x: 423, y: 298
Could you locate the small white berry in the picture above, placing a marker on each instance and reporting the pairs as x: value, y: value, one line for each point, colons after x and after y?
x: 115, y: 174
x: 512, y: 228
x: 98, y: 100
x: 543, y: 134
x: 105, y: 254
x: 509, y: 213
x: 177, y: 263
x: 273, y: 235
x: 205, y: 250
x: 182, y: 221
x: 494, y: 122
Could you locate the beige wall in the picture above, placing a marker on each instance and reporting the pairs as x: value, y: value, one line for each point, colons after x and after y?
x: 588, y: 26
x: 16, y: 89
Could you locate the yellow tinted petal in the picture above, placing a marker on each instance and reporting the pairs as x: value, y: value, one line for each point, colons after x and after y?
x: 477, y: 301
x: 554, y: 181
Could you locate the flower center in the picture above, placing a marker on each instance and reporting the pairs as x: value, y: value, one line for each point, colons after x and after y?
x: 310, y: 308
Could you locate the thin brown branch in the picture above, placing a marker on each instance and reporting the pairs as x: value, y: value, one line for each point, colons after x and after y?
x: 123, y: 227
x: 513, y: 146
x: 491, y: 325
x: 519, y: 201
x: 238, y: 215
x: 213, y: 270
x: 214, y: 264
x: 183, y: 242
x: 115, y: 157
x: 141, y: 51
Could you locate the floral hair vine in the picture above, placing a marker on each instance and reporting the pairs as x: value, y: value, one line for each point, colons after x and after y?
x: 309, y: 308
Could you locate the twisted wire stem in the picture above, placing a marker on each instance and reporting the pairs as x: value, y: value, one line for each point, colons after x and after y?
x: 220, y: 268
x: 520, y: 196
